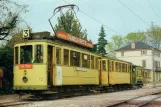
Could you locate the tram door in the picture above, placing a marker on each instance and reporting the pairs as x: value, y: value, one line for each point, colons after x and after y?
x: 50, y: 64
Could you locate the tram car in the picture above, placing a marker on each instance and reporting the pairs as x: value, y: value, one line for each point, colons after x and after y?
x: 66, y: 64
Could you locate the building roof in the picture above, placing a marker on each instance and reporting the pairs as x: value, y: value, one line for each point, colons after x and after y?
x: 138, y: 45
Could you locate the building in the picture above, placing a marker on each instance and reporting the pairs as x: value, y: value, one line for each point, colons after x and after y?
x: 142, y: 54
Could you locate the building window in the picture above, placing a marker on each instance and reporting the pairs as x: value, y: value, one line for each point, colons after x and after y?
x: 156, y: 64
x: 157, y: 54
x: 144, y: 63
x: 122, y: 53
x: 144, y: 52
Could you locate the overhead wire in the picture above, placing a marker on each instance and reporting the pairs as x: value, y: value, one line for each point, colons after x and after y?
x: 95, y: 20
x: 140, y: 7
x: 133, y: 12
x: 153, y: 9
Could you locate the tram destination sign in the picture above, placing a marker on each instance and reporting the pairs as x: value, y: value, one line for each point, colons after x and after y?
x: 74, y: 39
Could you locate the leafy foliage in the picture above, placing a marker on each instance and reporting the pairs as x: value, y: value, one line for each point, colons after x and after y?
x: 154, y: 36
x: 116, y: 42
x: 102, y: 42
x: 135, y: 37
x: 70, y: 24
x: 16, y: 38
x: 9, y: 17
x: 6, y: 62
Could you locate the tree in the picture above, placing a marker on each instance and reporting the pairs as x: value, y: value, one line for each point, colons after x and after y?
x: 70, y: 24
x: 10, y: 13
x: 6, y: 64
x: 102, y: 42
x: 135, y: 37
x: 116, y: 42
x: 16, y: 38
x: 154, y: 36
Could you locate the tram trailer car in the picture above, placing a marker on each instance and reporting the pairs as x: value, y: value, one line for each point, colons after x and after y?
x: 52, y: 65
x: 115, y: 73
x: 137, y: 76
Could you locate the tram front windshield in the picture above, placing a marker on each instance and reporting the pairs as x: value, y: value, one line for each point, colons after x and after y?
x: 26, y: 54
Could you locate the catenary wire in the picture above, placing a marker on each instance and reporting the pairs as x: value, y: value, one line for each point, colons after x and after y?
x: 133, y: 12
x: 96, y: 20
x: 153, y: 9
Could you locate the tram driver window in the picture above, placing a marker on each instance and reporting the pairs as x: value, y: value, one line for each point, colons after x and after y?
x: 26, y: 54
x: 74, y: 58
x: 38, y: 54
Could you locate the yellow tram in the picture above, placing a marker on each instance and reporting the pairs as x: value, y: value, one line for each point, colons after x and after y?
x: 65, y: 63
x: 43, y: 64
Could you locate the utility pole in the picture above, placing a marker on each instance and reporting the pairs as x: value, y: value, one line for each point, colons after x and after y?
x: 153, y: 70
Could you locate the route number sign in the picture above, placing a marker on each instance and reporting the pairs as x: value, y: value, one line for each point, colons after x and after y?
x: 26, y: 33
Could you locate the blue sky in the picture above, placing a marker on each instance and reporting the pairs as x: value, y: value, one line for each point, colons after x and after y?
x: 109, y: 12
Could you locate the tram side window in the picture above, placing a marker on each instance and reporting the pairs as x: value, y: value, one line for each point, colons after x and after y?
x: 96, y: 63
x: 58, y: 56
x: 117, y: 66
x: 66, y: 57
x: 85, y: 60
x: 109, y: 66
x: 16, y: 55
x: 112, y: 66
x: 26, y: 54
x: 120, y: 68
x: 103, y: 65
x: 92, y: 62
x: 38, y: 54
x: 74, y: 58
x: 123, y: 68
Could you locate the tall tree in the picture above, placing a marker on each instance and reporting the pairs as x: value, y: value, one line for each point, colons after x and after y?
x: 102, y: 42
x: 10, y: 13
x: 154, y: 36
x: 70, y: 24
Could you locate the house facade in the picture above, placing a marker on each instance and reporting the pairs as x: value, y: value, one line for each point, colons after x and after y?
x: 144, y: 55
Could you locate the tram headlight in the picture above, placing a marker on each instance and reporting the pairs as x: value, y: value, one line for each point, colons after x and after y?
x: 24, y: 79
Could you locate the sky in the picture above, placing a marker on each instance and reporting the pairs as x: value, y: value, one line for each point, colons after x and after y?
x: 112, y: 13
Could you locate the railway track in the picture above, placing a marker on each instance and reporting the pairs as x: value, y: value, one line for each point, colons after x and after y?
x: 13, y: 103
x: 31, y: 99
x: 137, y: 103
